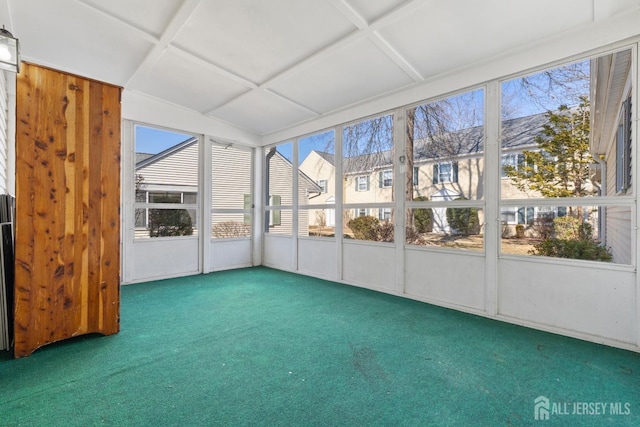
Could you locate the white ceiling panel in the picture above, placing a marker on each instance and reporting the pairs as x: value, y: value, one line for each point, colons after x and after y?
x: 172, y: 78
x: 258, y: 39
x: 355, y: 72
x: 262, y: 112
x: 436, y: 40
x: 371, y: 10
x: 268, y: 65
x: 150, y: 17
x: 80, y: 40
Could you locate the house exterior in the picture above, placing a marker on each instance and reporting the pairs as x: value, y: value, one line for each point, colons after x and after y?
x: 438, y: 176
x: 279, y: 188
x: 171, y: 176
x: 319, y: 167
x: 612, y: 142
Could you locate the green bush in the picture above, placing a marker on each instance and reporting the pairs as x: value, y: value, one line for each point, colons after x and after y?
x: 572, y: 239
x: 423, y: 218
x: 567, y: 228
x: 575, y: 249
x: 364, y: 227
x: 169, y: 222
x: 370, y: 228
x: 463, y: 220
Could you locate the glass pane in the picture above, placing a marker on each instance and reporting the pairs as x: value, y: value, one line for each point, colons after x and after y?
x: 368, y: 161
x: 317, y: 179
x: 230, y: 225
x: 279, y: 221
x: 165, y: 223
x: 317, y: 222
x: 230, y: 178
x: 279, y: 175
x: 166, y: 171
x: 445, y: 152
x: 453, y: 228
x: 371, y: 223
x: 546, y: 135
x: 165, y: 197
x: 597, y: 233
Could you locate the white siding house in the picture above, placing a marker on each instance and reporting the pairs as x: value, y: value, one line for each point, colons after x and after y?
x: 612, y: 142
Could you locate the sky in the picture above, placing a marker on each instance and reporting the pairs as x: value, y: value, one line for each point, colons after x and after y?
x: 154, y: 140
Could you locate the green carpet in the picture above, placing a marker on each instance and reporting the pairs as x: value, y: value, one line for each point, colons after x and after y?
x: 263, y: 347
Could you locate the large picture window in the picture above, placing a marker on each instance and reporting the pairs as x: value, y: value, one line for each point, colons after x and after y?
x: 279, y: 197
x: 367, y: 163
x: 445, y: 164
x: 316, y: 185
x: 231, y: 191
x: 559, y: 139
x: 166, y: 183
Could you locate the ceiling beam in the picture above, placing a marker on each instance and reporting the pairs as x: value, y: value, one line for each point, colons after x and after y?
x: 145, y: 35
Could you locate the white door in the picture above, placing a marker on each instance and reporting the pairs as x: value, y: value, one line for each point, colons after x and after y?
x: 440, y: 223
x: 162, y: 204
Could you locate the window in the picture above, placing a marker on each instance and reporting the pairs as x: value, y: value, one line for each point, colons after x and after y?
x: 322, y: 183
x: 361, y: 212
x: 516, y: 160
x: 275, y: 216
x: 142, y: 215
x: 416, y: 178
x: 231, y: 191
x: 385, y: 178
x: 166, y: 183
x: 445, y: 172
x: 514, y: 215
x: 623, y: 148
x: 384, y: 214
x: 362, y: 183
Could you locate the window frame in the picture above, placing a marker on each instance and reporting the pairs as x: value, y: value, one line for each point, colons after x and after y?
x: 453, y: 174
x: 386, y: 178
x: 323, y: 184
x: 362, y: 178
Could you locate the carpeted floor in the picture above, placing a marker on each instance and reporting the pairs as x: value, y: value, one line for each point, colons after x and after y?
x: 264, y: 347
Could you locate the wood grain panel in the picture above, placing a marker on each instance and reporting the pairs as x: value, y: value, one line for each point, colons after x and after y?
x: 67, y: 208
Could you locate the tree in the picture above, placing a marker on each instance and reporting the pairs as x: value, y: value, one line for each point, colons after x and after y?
x: 561, y: 166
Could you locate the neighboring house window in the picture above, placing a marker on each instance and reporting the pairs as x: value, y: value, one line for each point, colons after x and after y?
x: 322, y: 183
x: 385, y: 178
x: 142, y: 214
x: 362, y: 183
x: 527, y: 215
x: 361, y: 212
x: 384, y: 214
x: 445, y: 172
x: 513, y: 159
x: 247, y: 205
x: 275, y: 217
x: 416, y: 171
x: 623, y: 149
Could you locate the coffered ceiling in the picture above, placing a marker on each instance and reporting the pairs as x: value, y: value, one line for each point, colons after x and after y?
x: 264, y: 66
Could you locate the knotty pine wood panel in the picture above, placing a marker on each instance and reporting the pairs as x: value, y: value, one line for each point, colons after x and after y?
x: 67, y: 280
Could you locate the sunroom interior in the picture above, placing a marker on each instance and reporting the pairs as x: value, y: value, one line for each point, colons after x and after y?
x: 392, y: 145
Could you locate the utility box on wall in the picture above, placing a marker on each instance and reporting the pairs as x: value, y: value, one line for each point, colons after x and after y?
x: 67, y: 271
